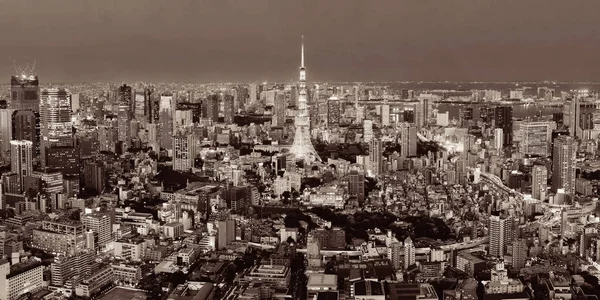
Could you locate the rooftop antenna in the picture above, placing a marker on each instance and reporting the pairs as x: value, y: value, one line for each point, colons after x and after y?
x: 26, y: 71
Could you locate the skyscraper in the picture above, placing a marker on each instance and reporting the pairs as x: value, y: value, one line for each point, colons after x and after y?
x: 356, y: 185
x: 564, y: 164
x: 408, y: 140
x: 226, y: 231
x: 184, y: 152
x: 25, y: 90
x: 539, y: 182
x: 519, y: 253
x: 94, y: 176
x: 228, y: 109
x: 302, y: 147
x: 21, y: 161
x: 26, y: 127
x: 500, y: 234
x: 5, y: 131
x: 409, y: 253
x: 210, y: 108
x: 123, y: 120
x: 395, y: 255
x: 334, y: 110
x: 503, y: 119
x: 56, y: 127
x: 535, y: 138
x: 125, y: 97
x: 279, y: 108
x: 376, y: 156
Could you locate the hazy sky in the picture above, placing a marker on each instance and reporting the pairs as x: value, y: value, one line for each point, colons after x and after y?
x: 246, y: 40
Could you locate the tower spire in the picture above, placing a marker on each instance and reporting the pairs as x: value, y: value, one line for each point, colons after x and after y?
x: 302, y: 59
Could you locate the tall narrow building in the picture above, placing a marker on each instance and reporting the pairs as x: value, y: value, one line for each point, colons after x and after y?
x: 25, y: 92
x: 564, y: 164
x: 184, y: 152
x: 539, y: 182
x: 21, y: 161
x: 409, y: 253
x: 26, y: 126
x: 376, y: 156
x: 501, y: 234
x: 408, y: 140
x: 56, y: 128
x: 302, y: 148
x: 5, y: 131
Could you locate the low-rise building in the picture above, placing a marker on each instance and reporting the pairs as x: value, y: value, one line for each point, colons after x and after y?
x: 20, y: 278
x: 95, y: 282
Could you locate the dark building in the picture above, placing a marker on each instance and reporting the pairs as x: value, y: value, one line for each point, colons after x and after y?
x: 408, y: 116
x: 26, y: 126
x: 333, y: 112
x: 331, y: 239
x: 356, y: 186
x: 559, y: 118
x: 405, y: 95
x: 503, y: 119
x: 210, y: 108
x: 228, y: 109
x: 25, y: 93
x: 94, y: 176
x: 125, y: 96
x: 63, y: 159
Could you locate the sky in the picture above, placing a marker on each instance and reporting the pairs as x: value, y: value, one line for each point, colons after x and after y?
x: 259, y: 40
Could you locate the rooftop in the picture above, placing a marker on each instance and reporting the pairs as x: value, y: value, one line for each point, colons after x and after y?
x: 368, y: 288
x: 322, y: 279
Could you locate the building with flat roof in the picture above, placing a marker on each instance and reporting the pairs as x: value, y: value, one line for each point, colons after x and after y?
x: 367, y: 290
x: 320, y: 283
x: 20, y: 278
x: 422, y: 291
x: 65, y: 237
x: 274, y: 274
x: 95, y: 282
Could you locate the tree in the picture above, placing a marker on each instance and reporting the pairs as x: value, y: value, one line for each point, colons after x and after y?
x: 290, y: 240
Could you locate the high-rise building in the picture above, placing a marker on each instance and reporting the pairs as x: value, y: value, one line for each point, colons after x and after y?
x: 385, y: 115
x: 21, y: 161
x: 564, y: 164
x: 501, y: 234
x: 535, y: 138
x: 107, y: 137
x: 539, y: 182
x: 519, y: 253
x: 5, y: 131
x: 25, y: 92
x: 123, y: 120
x: 56, y: 128
x: 334, y: 111
x: 101, y: 224
x: 302, y: 148
x: 26, y: 127
x: 503, y: 119
x: 356, y: 185
x: 376, y: 156
x: 228, y: 109
x: 184, y: 152
x: 395, y: 253
x: 94, y: 176
x: 210, y: 108
x: 279, y: 108
x: 422, y: 111
x: 226, y: 231
x: 409, y: 253
x: 408, y: 140
x: 581, y: 113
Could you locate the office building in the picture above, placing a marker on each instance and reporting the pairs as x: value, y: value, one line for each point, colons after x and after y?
x: 279, y: 109
x: 226, y: 231
x: 101, y: 224
x: 133, y: 249
x: 564, y: 164
x: 395, y: 254
x: 519, y: 253
x: 376, y: 156
x: 5, y: 131
x: 210, y: 108
x: 64, y: 268
x: 229, y: 109
x: 64, y: 159
x: 330, y: 239
x: 94, y: 176
x: 503, y: 120
x: 408, y: 140
x: 501, y: 234
x: 64, y: 237
x: 56, y: 128
x: 356, y: 185
x: 535, y: 138
x: 25, y: 92
x: 123, y: 121
x: 539, y: 182
x: 334, y: 111
x: 409, y: 253
x: 93, y: 283
x: 20, y: 279
x: 184, y: 152
x: 21, y: 161
x: 25, y: 126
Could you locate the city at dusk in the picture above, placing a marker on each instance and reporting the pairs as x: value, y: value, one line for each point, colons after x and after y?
x: 284, y: 150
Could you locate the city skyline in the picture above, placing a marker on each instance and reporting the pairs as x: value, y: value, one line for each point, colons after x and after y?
x: 346, y: 41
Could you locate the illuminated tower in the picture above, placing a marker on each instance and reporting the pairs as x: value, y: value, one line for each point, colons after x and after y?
x: 302, y: 147
x: 55, y: 124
